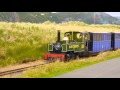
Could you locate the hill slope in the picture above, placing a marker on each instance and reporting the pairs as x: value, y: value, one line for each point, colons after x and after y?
x: 37, y: 17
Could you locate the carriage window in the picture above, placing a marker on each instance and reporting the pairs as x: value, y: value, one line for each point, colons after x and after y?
x: 100, y: 37
x: 97, y: 37
x: 109, y: 37
x: 86, y: 36
x: 94, y: 37
x: 117, y: 36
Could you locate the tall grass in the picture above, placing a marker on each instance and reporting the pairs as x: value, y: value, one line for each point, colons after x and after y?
x: 24, y: 42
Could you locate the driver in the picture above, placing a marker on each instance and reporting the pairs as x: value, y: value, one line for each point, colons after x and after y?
x: 66, y: 38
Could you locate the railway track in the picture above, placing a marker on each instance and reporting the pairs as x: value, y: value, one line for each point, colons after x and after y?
x: 21, y: 69
x: 13, y: 71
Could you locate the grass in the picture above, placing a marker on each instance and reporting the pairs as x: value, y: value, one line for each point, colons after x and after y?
x: 58, y: 68
x: 24, y: 42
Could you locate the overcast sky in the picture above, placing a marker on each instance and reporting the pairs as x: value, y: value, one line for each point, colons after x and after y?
x: 113, y: 13
x: 110, y: 13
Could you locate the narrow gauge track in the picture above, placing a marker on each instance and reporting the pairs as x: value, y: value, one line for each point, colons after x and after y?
x: 8, y: 72
x: 17, y: 70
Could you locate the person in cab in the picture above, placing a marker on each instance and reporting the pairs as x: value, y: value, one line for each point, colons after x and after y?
x: 66, y: 38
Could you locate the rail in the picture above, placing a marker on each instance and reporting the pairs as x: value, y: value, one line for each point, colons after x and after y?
x: 8, y: 72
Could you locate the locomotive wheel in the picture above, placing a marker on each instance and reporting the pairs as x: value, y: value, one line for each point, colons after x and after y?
x: 73, y: 56
x: 67, y: 57
x: 86, y: 54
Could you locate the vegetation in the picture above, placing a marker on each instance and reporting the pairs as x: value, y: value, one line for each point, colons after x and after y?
x: 24, y: 42
x: 58, y: 68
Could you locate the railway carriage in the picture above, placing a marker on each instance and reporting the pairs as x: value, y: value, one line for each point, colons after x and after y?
x: 100, y: 42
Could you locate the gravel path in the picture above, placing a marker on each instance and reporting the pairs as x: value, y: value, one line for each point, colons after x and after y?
x: 107, y: 69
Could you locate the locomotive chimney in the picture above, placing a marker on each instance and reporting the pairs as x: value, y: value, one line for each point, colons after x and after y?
x: 58, y: 36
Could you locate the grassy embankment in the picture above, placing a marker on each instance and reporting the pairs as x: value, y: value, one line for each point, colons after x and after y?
x: 23, y: 42
x: 58, y: 68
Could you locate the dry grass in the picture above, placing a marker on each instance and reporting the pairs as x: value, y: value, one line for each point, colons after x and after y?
x: 21, y: 41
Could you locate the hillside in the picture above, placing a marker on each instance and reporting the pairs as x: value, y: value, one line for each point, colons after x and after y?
x: 88, y: 17
x: 60, y: 17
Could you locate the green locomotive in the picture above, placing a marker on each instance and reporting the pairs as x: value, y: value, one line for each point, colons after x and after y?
x: 73, y: 45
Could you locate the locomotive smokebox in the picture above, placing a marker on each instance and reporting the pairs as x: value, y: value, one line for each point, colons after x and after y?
x: 58, y: 40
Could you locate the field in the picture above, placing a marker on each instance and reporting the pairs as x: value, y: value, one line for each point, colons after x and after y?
x: 25, y: 42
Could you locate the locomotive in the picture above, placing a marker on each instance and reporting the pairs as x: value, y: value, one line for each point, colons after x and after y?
x: 77, y: 44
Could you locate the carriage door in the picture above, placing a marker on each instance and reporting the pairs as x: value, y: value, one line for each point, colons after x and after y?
x: 86, y: 39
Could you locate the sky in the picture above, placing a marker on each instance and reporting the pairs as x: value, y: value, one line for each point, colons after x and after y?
x: 110, y: 13
x: 113, y: 13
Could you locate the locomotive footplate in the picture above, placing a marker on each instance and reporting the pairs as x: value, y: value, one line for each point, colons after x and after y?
x: 54, y: 56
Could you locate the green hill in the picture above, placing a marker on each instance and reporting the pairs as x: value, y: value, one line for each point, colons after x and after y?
x: 60, y: 17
